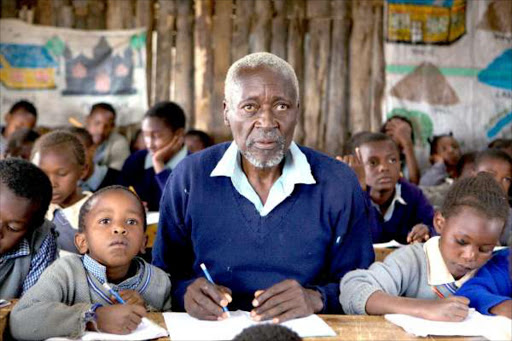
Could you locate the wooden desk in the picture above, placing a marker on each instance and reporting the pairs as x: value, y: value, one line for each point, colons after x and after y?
x: 356, y: 327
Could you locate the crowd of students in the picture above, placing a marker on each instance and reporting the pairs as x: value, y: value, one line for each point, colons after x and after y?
x: 83, y: 193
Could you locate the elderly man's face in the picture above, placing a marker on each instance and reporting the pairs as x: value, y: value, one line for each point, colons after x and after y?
x: 262, y: 112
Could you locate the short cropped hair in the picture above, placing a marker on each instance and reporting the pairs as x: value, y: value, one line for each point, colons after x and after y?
x: 481, y: 193
x: 205, y: 139
x: 27, y: 181
x: 87, y: 206
x: 61, y: 138
x: 367, y: 137
x: 25, y: 105
x: 169, y: 112
x: 83, y: 135
x: 494, y: 154
x: 103, y: 106
x: 267, y: 332
x: 255, y: 60
x: 434, y: 142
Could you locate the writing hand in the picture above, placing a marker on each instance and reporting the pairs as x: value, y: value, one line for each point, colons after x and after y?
x: 284, y: 301
x: 205, y: 300
x: 131, y: 297
x: 419, y: 234
x: 453, y: 308
x: 119, y: 318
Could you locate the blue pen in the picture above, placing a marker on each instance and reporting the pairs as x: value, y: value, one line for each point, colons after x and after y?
x: 210, y: 279
x: 114, y: 293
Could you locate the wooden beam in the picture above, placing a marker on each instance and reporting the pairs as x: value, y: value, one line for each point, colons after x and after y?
x: 96, y: 20
x: 378, y: 69
x: 115, y: 14
x: 8, y: 9
x: 81, y: 11
x: 184, y: 68
x: 165, y: 26
x: 241, y: 28
x: 44, y: 12
x: 144, y: 17
x: 279, y: 29
x: 261, y: 30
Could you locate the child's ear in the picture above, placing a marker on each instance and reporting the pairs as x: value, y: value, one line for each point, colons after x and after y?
x: 81, y: 243
x: 7, y: 118
x: 225, y: 112
x: 439, y: 222
x: 144, y: 243
x: 84, y: 171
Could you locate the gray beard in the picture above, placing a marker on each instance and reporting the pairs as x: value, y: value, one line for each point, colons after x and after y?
x: 272, y: 162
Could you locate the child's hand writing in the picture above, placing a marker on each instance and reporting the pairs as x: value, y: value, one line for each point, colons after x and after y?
x: 451, y: 309
x: 130, y: 297
x: 419, y: 234
x: 119, y: 318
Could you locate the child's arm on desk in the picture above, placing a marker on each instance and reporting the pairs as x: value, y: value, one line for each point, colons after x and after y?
x: 453, y: 309
x: 503, y: 309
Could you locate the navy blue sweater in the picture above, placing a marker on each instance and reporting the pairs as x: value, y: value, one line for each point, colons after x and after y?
x: 315, y: 236
x: 418, y: 210
x: 491, y: 285
x: 146, y: 183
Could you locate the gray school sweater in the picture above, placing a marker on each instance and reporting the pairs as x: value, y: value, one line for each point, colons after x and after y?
x: 403, y: 273
x: 56, y: 304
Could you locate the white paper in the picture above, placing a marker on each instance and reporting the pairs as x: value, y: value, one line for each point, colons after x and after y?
x: 390, y: 244
x: 146, y: 330
x: 182, y: 326
x: 476, y: 324
x: 152, y: 218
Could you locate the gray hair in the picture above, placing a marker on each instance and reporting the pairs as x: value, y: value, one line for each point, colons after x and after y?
x: 259, y: 59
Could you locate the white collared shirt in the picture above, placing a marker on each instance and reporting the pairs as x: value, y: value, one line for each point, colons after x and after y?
x: 391, y: 208
x: 437, y: 271
x: 171, y: 164
x: 296, y: 170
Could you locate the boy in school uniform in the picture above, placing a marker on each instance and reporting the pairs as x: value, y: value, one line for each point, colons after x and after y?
x: 490, y: 291
x: 22, y: 114
x: 61, y: 156
x: 28, y: 242
x: 400, y: 211
x: 98, y: 176
x: 112, y: 149
x: 71, y: 298
x: 420, y: 279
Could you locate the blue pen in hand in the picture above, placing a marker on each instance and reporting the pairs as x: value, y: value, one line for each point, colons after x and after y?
x: 210, y: 279
x: 114, y: 293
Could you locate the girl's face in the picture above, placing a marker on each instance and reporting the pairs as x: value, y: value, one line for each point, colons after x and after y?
x: 61, y: 167
x: 156, y: 134
x: 500, y: 169
x: 467, y: 239
x: 449, y: 150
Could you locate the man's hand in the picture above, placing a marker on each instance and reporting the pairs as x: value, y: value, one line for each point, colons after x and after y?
x: 163, y: 155
x: 119, y: 318
x: 419, y: 234
x: 131, y: 297
x: 354, y: 162
x: 284, y: 301
x: 451, y: 309
x: 205, y: 300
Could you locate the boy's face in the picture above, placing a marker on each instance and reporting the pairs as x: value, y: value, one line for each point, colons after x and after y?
x: 60, y: 166
x: 381, y: 164
x: 157, y: 134
x: 100, y: 124
x: 16, y: 215
x: 114, y: 230
x: 467, y: 239
x: 501, y: 170
x: 449, y: 150
x: 193, y: 143
x: 17, y: 120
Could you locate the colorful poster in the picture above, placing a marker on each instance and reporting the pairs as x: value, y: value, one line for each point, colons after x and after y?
x: 64, y: 71
x: 459, y: 80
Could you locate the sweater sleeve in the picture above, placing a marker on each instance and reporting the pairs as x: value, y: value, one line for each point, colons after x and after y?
x: 42, y: 312
x: 393, y: 276
x: 161, y: 178
x: 435, y: 175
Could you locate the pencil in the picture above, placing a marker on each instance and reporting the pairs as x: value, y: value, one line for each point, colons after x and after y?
x: 210, y: 279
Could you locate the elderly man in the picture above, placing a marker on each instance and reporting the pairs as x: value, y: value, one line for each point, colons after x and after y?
x: 276, y: 224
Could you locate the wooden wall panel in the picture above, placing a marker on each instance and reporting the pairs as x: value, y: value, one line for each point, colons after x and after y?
x: 165, y: 27
x: 261, y: 29
x: 241, y: 28
x: 279, y: 29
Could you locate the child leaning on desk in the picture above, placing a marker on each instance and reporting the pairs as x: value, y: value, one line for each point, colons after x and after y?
x: 70, y: 298
x: 420, y: 279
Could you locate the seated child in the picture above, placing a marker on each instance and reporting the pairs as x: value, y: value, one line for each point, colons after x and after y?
x: 267, y: 332
x: 22, y: 114
x: 197, y: 140
x: 490, y: 291
x: 20, y: 143
x: 400, y: 129
x: 28, y: 242
x: 70, y: 297
x: 112, y: 149
x: 420, y: 279
x: 137, y: 142
x: 98, y: 176
x: 400, y: 211
x: 62, y: 157
x: 444, y: 155
x: 499, y: 164
x: 147, y: 170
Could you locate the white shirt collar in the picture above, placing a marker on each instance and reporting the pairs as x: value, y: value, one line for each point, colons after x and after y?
x: 398, y: 197
x: 172, y: 163
x: 296, y: 170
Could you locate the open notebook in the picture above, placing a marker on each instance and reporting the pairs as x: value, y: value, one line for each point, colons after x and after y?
x: 182, y: 326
